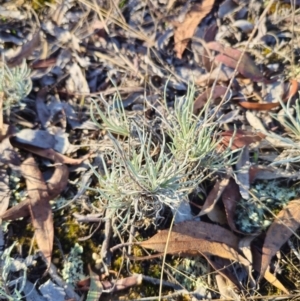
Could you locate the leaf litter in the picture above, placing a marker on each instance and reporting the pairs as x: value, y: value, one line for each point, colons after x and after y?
x: 134, y: 60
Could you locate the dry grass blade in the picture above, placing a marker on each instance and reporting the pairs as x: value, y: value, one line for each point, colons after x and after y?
x: 110, y: 18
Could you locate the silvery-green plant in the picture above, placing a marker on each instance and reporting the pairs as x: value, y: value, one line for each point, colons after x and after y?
x: 290, y: 120
x: 140, y: 180
x: 196, y: 138
x: 145, y: 172
x: 14, y: 82
x: 114, y: 118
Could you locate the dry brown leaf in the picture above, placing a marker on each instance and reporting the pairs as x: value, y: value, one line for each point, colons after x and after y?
x: 245, y: 248
x: 58, y: 181
x: 39, y: 207
x: 242, y: 175
x: 217, y: 215
x: 287, y: 221
x: 241, y: 138
x: 49, y: 154
x: 18, y: 211
x: 185, y: 30
x: 210, y: 93
x: 214, y: 196
x: 230, y: 57
x: 37, y: 204
x: 26, y: 50
x: 259, y: 106
x: 274, y: 281
x: 46, y: 63
x: 267, y: 275
x: 230, y: 197
x: 263, y: 173
x: 190, y: 236
x: 55, y: 185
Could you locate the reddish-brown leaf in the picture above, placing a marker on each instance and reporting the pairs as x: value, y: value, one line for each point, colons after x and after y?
x: 185, y: 30
x: 287, y: 221
x: 259, y: 106
x: 263, y: 172
x: 188, y: 237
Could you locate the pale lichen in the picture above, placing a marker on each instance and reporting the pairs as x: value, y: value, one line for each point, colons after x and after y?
x: 254, y: 215
x: 73, y: 266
